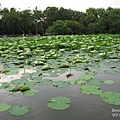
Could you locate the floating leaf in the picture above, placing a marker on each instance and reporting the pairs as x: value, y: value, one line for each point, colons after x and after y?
x: 111, y: 97
x: 36, y: 78
x: 19, y: 81
x: 111, y: 71
x: 86, y: 77
x: 45, y: 81
x: 64, y: 66
x: 54, y: 74
x: 11, y: 73
x: 4, y: 107
x: 4, y: 85
x: 108, y: 81
x: 15, y: 89
x: 24, y: 88
x: 72, y: 82
x: 61, y: 70
x: 90, y: 89
x: 61, y: 84
x: 30, y: 84
x: 46, y: 67
x: 31, y: 92
x: 95, y: 81
x: 80, y: 82
x: 36, y: 74
x: 19, y: 110
x: 59, y: 103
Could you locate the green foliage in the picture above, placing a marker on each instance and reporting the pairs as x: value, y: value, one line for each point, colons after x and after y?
x: 19, y: 81
x: 111, y: 71
x: 4, y: 107
x: 30, y: 92
x: 19, y: 110
x: 60, y: 84
x: 20, y: 88
x: 108, y: 81
x: 59, y: 103
x: 111, y: 97
x: 91, y: 89
x: 4, y: 85
x: 65, y: 27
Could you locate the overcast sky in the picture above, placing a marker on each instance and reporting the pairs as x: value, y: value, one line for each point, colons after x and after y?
x: 79, y: 5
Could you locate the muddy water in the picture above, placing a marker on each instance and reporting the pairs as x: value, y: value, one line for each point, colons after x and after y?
x: 83, y: 107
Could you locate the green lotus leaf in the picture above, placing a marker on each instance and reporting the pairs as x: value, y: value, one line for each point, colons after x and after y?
x: 10, y: 88
x: 80, y: 82
x: 53, y: 74
x: 59, y: 103
x: 111, y: 71
x: 11, y: 72
x: 111, y: 97
x: 4, y: 107
x: 4, y: 85
x: 95, y: 81
x: 46, y: 67
x: 24, y: 88
x: 30, y: 92
x: 26, y: 74
x: 36, y: 74
x: 30, y: 84
x: 19, y: 81
x: 109, y: 82
x: 61, y: 70
x: 86, y: 77
x: 15, y: 89
x: 19, y: 110
x: 61, y: 84
x: 64, y: 66
x: 72, y: 82
x: 36, y: 78
x: 45, y: 81
x: 90, y: 89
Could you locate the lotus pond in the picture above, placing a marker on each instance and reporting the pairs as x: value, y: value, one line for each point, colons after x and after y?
x: 60, y: 78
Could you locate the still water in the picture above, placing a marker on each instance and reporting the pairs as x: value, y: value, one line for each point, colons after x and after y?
x: 83, y: 107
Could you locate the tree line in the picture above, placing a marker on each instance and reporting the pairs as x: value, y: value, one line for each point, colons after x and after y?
x: 59, y: 21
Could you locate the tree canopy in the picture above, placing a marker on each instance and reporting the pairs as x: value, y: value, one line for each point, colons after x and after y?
x: 60, y: 21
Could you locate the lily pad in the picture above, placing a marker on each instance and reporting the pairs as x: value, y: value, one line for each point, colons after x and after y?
x: 61, y: 84
x: 4, y: 85
x: 46, y: 67
x: 64, y: 66
x: 10, y: 88
x: 111, y: 97
x: 30, y: 84
x: 59, y: 103
x: 111, y: 71
x: 36, y: 74
x: 80, y: 82
x: 45, y: 81
x: 19, y: 110
x: 95, y: 81
x: 31, y: 92
x: 19, y: 81
x: 90, y: 89
x: 109, y: 82
x: 53, y: 74
x: 11, y: 72
x: 4, y: 107
x: 86, y: 77
x: 72, y: 82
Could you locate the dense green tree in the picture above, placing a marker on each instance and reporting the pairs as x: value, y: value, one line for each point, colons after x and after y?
x: 60, y: 21
x: 61, y: 27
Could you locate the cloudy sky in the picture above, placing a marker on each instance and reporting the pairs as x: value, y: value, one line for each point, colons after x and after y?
x: 79, y: 5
